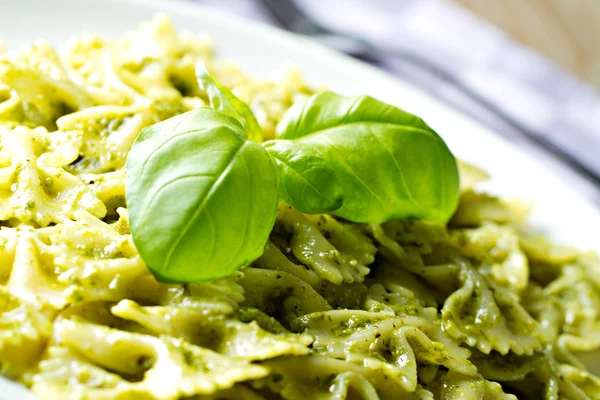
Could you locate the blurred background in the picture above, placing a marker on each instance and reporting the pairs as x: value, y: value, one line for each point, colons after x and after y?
x: 566, y: 31
x: 529, y: 69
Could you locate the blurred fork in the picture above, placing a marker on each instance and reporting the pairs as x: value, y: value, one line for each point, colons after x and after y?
x: 292, y: 18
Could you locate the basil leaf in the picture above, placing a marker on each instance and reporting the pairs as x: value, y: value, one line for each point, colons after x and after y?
x: 327, y: 110
x: 306, y: 181
x: 202, y: 199
x: 389, y: 163
x: 223, y: 100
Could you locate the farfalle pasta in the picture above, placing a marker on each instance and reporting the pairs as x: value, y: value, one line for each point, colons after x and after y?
x: 480, y: 308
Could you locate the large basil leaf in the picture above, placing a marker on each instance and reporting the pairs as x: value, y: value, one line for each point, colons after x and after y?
x: 389, y: 163
x: 223, y: 100
x: 306, y: 181
x: 202, y: 199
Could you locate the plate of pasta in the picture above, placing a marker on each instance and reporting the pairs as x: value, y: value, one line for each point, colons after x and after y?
x: 182, y: 216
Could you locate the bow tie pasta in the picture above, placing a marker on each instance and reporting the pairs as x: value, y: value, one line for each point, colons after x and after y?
x: 480, y: 308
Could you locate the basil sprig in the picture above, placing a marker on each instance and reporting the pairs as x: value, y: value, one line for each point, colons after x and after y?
x: 202, y: 192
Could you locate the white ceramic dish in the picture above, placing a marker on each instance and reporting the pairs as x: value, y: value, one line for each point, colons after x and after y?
x: 560, y: 212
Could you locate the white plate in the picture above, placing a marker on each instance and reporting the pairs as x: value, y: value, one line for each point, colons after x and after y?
x: 560, y: 212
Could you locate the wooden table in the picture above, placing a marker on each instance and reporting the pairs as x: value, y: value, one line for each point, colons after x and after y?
x: 567, y: 31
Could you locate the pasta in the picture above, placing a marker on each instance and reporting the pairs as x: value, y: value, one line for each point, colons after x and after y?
x: 481, y: 308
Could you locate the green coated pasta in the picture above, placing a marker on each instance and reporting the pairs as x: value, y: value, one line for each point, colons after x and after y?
x: 479, y: 308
